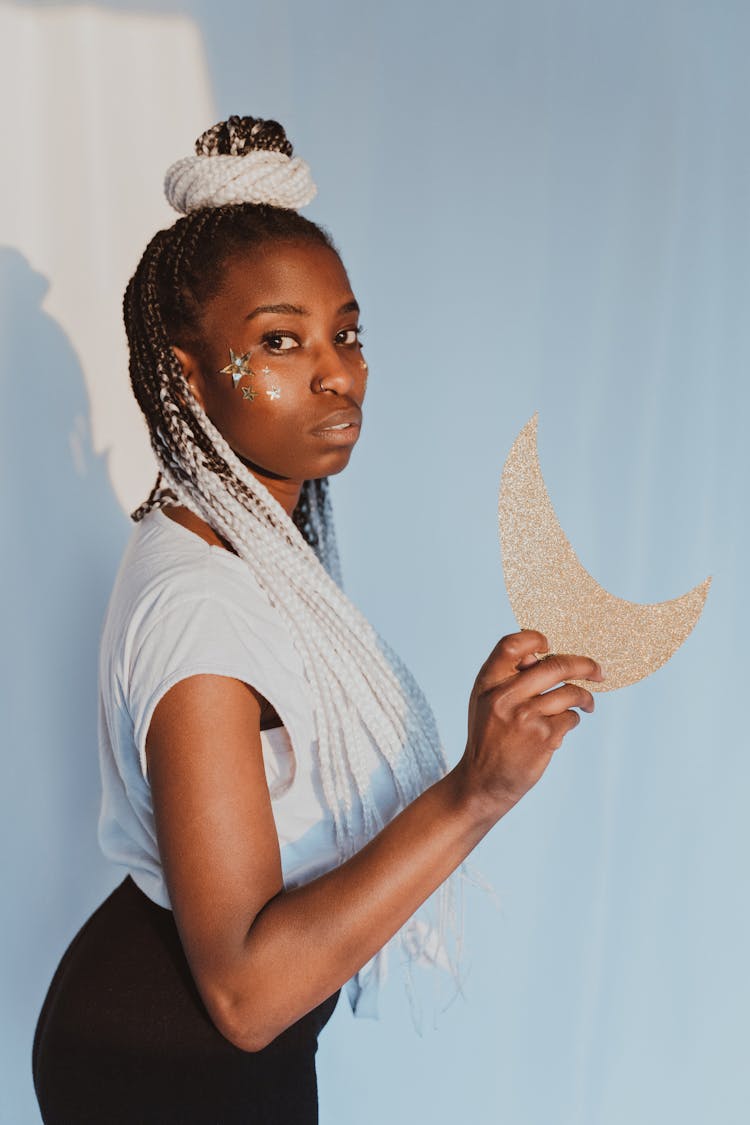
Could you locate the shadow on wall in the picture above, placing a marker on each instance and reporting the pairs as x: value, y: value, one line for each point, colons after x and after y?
x: 64, y: 534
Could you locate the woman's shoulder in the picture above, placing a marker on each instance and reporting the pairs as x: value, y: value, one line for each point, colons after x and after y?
x: 167, y: 570
x: 180, y: 606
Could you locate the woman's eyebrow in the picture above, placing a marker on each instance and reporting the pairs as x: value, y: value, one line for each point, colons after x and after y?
x: 350, y: 306
x: 297, y: 310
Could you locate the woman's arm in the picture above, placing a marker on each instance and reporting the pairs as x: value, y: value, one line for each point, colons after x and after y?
x: 262, y: 957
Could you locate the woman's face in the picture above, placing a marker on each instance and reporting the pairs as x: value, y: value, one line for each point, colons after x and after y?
x: 287, y: 313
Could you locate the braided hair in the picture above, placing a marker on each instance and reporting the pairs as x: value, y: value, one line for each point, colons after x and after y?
x: 360, y: 688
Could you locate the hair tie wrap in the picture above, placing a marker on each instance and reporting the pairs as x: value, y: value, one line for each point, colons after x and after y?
x: 260, y: 176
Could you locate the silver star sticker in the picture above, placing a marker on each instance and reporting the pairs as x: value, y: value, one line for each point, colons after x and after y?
x: 238, y: 366
x: 275, y: 392
x: 249, y: 393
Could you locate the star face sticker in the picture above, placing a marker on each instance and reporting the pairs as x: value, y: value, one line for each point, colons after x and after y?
x: 274, y: 392
x: 238, y: 366
x: 249, y: 393
x: 265, y: 370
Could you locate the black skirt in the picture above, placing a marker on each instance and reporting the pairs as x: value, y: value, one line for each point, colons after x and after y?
x: 124, y: 1038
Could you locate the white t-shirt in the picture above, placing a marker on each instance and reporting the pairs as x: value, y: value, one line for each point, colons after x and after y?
x: 181, y: 606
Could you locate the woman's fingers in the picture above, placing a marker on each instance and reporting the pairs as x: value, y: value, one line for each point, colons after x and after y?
x: 562, y: 698
x: 516, y: 719
x: 556, y: 669
x: 559, y: 727
x: 512, y: 652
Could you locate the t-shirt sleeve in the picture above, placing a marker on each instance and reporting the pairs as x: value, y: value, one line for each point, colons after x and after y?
x: 207, y: 634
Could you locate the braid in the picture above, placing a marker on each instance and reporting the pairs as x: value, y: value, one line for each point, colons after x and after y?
x: 360, y: 689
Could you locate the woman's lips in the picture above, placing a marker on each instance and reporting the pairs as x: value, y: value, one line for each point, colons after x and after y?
x: 341, y: 427
x: 345, y: 433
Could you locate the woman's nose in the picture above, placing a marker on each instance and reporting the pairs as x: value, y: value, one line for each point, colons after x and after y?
x: 334, y: 371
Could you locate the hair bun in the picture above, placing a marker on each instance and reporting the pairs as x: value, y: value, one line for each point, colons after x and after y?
x: 240, y: 160
x: 238, y: 135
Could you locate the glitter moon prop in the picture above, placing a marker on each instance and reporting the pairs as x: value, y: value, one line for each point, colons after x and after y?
x: 550, y: 591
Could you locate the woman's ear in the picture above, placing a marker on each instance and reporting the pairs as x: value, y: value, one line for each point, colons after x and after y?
x: 192, y: 373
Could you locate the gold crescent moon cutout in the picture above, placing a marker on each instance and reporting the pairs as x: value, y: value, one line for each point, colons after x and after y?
x: 550, y: 591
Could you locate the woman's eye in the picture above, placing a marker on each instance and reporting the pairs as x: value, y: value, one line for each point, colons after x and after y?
x: 279, y: 342
x: 349, y: 336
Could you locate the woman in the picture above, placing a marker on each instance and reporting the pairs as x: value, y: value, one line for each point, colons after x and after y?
x: 273, y: 781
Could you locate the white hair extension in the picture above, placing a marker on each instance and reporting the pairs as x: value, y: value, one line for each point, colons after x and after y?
x: 359, y: 686
x: 255, y: 177
x: 321, y: 521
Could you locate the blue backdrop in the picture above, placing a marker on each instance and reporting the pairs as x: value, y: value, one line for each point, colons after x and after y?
x: 543, y: 205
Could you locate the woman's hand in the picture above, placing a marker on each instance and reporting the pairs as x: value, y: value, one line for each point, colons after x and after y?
x: 515, y: 722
